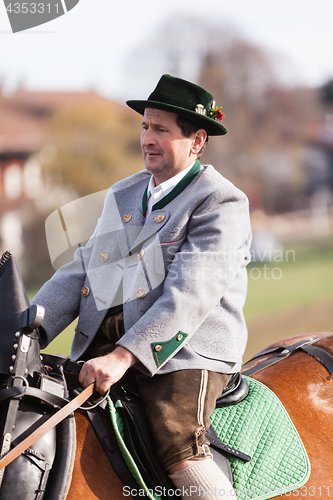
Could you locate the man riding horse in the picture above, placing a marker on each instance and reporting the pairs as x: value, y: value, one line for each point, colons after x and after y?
x: 160, y: 286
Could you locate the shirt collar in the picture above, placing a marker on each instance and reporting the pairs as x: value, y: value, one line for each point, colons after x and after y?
x: 165, y: 187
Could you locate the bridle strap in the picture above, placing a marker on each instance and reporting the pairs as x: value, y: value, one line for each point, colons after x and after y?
x: 48, y: 425
x: 282, y: 352
x: 46, y: 397
x: 322, y: 356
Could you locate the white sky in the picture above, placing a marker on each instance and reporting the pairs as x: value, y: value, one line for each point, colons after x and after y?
x: 88, y: 46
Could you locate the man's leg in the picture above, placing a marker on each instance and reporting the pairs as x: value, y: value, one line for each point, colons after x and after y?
x: 202, y: 479
x: 178, y: 406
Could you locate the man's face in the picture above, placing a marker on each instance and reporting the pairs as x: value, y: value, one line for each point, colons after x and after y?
x: 166, y: 152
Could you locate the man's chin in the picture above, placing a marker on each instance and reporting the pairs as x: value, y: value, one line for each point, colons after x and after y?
x: 153, y: 166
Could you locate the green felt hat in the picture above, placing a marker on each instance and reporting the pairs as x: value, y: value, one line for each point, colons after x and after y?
x: 186, y: 99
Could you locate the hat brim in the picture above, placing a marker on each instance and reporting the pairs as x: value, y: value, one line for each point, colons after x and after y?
x: 212, y: 127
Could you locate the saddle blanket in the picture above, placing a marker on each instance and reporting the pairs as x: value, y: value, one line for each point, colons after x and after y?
x: 258, y: 426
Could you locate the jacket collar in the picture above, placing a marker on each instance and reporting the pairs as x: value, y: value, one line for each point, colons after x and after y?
x: 179, y: 187
x: 139, y: 229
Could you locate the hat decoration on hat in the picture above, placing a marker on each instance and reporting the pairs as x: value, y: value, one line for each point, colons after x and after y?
x: 185, y: 99
x: 215, y: 113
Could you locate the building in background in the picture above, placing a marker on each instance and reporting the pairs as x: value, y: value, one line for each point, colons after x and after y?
x: 24, y: 145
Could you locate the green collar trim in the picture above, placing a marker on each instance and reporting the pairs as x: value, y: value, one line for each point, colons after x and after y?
x: 144, y: 200
x: 182, y: 184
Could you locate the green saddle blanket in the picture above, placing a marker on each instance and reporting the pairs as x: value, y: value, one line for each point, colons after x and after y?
x: 260, y: 426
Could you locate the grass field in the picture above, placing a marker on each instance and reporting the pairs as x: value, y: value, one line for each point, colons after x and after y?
x: 300, y: 301
x: 286, y: 296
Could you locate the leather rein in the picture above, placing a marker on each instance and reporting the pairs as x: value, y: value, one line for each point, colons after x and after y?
x: 63, y: 406
x: 283, y: 352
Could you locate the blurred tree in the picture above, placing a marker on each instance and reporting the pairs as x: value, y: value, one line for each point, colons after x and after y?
x: 260, y: 113
x: 96, y: 145
x: 266, y: 120
x: 177, y: 46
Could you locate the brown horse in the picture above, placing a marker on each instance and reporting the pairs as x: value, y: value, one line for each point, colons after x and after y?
x: 303, y: 386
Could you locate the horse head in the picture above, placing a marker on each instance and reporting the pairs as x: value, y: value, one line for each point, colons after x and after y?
x: 19, y: 340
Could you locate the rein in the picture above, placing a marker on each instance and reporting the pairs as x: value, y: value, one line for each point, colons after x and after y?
x: 46, y: 426
x: 282, y: 352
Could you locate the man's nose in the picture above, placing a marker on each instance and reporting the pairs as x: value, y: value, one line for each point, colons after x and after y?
x: 147, y: 137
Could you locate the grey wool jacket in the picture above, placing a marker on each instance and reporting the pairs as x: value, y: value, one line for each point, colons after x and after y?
x: 180, y: 274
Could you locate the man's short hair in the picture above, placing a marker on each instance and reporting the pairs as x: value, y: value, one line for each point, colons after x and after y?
x: 189, y: 128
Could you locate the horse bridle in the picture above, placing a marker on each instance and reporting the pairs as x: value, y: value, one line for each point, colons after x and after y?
x: 63, y: 406
x: 283, y: 352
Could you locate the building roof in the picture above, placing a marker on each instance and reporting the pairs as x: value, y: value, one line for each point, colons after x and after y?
x: 24, y: 116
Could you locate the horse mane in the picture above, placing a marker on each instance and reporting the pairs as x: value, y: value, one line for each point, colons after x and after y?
x: 5, y: 256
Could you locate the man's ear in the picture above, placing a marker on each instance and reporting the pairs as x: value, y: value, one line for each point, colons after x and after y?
x: 199, y: 139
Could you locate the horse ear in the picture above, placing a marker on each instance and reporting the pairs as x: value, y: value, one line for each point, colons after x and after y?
x: 15, y: 310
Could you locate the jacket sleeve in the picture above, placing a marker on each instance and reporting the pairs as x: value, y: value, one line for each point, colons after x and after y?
x: 60, y: 296
x: 215, y: 251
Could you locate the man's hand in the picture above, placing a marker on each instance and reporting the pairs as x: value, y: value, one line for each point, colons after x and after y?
x: 106, y: 370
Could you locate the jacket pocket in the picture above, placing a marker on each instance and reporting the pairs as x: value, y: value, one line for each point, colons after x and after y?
x: 215, y: 340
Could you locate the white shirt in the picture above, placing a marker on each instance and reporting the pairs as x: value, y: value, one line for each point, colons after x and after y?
x: 156, y: 193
